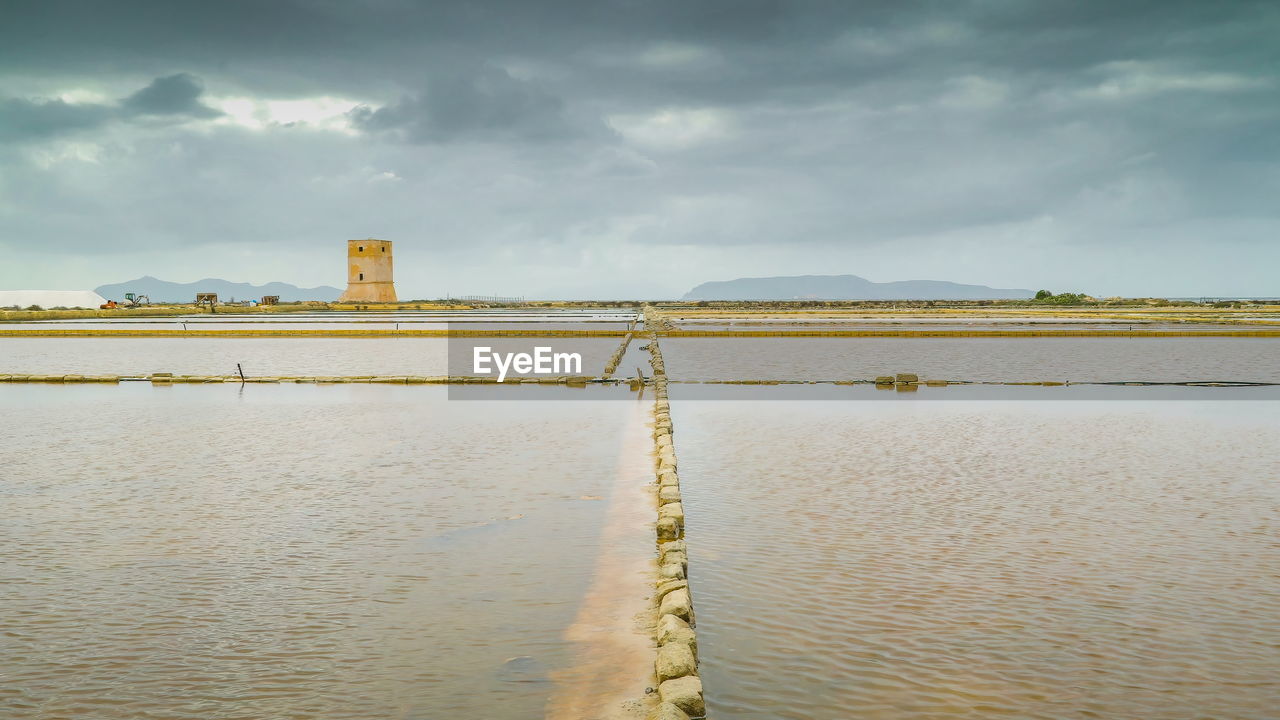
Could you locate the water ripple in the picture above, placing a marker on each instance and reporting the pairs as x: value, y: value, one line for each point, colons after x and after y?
x: 1028, y: 560
x: 310, y: 552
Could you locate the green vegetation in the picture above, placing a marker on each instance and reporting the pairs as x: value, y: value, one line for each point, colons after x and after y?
x: 1044, y: 296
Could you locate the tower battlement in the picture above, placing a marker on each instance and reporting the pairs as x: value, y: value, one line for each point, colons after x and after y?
x: 369, y: 272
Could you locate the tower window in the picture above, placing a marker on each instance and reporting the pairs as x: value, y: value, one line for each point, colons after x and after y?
x: 361, y: 276
x: 384, y: 248
x: 360, y: 249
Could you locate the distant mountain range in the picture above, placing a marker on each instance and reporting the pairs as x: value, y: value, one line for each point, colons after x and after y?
x: 847, y: 287
x: 164, y: 291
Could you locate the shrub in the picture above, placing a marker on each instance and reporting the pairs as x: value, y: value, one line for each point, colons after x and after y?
x: 1044, y: 296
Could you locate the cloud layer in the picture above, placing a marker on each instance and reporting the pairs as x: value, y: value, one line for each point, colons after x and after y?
x: 601, y: 149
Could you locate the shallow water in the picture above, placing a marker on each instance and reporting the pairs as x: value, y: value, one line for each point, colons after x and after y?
x: 294, y: 551
x: 272, y: 356
x: 1077, y: 359
x: 907, y: 560
x: 908, y: 326
x: 904, y: 319
x: 542, y: 320
x: 961, y: 321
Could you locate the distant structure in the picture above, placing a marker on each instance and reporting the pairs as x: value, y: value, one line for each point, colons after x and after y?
x: 499, y: 299
x: 369, y: 272
x: 46, y: 299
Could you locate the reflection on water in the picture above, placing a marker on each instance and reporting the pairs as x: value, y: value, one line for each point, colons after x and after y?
x: 293, y: 551
x: 993, y: 359
x: 990, y: 359
x: 945, y: 560
x: 270, y: 356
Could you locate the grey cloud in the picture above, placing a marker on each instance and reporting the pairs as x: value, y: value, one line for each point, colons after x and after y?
x: 805, y: 136
x: 486, y: 105
x: 769, y: 49
x: 172, y: 95
x: 22, y: 119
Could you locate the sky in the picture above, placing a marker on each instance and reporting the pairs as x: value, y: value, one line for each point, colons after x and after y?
x: 636, y: 148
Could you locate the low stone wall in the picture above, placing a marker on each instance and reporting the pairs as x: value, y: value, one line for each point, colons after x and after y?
x: 676, y: 666
x: 612, y: 365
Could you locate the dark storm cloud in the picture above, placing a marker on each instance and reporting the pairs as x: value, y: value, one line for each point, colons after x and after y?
x: 24, y: 119
x: 765, y: 49
x: 768, y: 43
x: 487, y: 105
x: 752, y: 135
x: 173, y: 95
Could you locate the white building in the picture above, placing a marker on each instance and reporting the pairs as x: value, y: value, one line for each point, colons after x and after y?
x: 51, y: 298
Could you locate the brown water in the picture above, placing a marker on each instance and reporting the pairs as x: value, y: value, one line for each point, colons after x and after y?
x: 909, y: 320
x: 294, y: 551
x: 907, y: 326
x: 269, y: 356
x: 908, y: 560
x: 988, y: 359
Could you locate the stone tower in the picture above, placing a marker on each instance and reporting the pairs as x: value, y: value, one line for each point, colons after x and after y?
x: 369, y: 272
